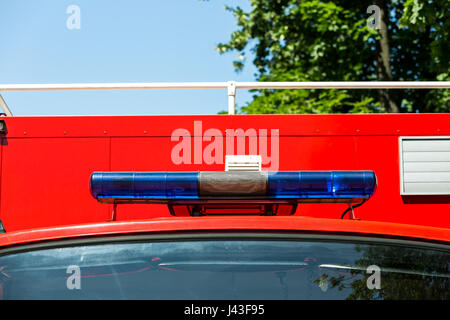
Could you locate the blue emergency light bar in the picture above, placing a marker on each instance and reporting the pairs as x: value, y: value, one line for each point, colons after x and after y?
x: 163, y: 187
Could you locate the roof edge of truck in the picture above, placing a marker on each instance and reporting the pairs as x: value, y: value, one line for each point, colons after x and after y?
x: 229, y: 224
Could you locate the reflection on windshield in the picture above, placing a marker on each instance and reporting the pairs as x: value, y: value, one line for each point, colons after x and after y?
x: 232, y: 269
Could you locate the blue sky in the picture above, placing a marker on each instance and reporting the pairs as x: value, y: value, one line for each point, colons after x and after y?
x: 119, y: 41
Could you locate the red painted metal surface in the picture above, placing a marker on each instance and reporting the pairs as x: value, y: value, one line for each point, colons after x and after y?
x: 236, y: 224
x: 46, y: 162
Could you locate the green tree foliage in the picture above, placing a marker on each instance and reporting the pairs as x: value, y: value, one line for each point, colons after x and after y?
x: 312, y: 40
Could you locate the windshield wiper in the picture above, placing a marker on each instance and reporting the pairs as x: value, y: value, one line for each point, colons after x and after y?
x: 236, y: 265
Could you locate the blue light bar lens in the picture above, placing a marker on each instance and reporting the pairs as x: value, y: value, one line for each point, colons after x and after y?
x: 144, y: 185
x: 130, y: 186
x: 321, y: 184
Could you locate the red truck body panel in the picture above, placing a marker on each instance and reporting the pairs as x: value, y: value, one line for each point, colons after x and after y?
x: 46, y: 162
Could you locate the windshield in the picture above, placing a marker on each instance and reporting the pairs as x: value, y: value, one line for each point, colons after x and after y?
x: 227, y: 269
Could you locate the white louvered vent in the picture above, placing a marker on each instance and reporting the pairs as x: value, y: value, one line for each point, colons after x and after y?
x: 424, y: 165
x: 242, y: 163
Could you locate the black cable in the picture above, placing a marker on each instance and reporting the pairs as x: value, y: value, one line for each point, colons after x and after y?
x: 352, y: 207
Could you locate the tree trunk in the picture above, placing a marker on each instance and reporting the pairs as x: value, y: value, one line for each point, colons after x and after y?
x: 384, y: 71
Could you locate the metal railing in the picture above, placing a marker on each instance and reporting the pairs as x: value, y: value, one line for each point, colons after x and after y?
x: 230, y: 86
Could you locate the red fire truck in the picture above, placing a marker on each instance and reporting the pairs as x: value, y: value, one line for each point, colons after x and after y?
x: 225, y: 207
